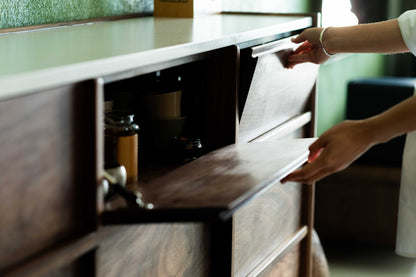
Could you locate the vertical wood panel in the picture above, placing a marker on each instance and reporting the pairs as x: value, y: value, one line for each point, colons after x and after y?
x: 221, y: 101
x: 47, y: 190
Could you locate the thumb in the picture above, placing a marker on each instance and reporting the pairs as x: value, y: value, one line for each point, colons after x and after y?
x: 300, y: 38
x: 315, y: 149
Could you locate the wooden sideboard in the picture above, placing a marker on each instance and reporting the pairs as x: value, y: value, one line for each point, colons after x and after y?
x: 223, y: 214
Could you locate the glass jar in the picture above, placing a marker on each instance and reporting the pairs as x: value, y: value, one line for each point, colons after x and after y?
x: 184, y: 150
x: 121, y: 135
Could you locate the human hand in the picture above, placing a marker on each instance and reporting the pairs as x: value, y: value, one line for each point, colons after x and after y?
x: 310, y: 50
x: 335, y: 150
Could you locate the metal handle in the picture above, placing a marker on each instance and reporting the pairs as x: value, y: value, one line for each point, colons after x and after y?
x: 272, y: 47
x: 114, y: 183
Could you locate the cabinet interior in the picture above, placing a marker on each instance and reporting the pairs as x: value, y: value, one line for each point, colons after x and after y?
x: 133, y: 95
x: 207, y: 106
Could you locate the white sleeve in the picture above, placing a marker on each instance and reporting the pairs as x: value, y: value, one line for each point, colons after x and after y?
x: 406, y: 224
x: 407, y: 24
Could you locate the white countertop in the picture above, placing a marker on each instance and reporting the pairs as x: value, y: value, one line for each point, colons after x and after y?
x: 46, y: 58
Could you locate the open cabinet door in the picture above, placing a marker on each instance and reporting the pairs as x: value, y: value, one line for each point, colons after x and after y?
x: 215, y: 185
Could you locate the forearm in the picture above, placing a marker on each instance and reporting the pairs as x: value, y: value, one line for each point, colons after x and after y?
x: 381, y: 37
x: 394, y: 122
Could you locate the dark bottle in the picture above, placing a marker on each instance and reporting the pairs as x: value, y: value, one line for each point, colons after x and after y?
x: 183, y: 150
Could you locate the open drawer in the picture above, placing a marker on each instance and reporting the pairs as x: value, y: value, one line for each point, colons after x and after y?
x: 225, y: 214
x: 215, y: 185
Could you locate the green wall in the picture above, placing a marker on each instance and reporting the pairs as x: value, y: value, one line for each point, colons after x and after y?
x: 18, y: 13
x: 332, y: 85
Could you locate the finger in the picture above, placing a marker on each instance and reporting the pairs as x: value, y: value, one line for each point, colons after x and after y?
x: 299, y: 58
x: 300, y: 176
x: 295, y: 176
x: 304, y: 180
x: 292, y: 62
x: 316, y: 147
x: 300, y: 38
x: 290, y: 177
x: 313, y: 155
x: 305, y: 173
x: 306, y: 46
x: 314, y: 167
x: 291, y: 65
x: 313, y: 178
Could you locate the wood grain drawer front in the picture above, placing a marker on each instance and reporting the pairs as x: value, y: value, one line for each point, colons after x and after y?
x: 288, y: 266
x: 264, y: 224
x: 155, y: 250
x: 47, y: 182
x: 271, y: 94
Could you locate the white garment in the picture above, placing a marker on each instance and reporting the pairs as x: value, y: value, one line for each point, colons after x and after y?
x: 407, y: 23
x: 406, y: 227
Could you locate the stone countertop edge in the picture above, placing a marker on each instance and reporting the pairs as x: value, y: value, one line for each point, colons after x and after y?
x: 20, y: 83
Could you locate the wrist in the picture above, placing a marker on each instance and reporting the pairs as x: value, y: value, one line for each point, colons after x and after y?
x: 374, y: 128
x: 323, y: 39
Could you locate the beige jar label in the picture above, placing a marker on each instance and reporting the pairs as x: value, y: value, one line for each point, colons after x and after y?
x: 127, y: 155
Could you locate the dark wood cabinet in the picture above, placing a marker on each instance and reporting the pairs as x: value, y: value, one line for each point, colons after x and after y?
x: 223, y: 214
x: 43, y: 201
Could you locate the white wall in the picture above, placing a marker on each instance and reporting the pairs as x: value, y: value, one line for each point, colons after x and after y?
x: 275, y: 6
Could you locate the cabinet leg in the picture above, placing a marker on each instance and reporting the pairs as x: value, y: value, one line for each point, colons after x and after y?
x: 308, y: 219
x: 320, y: 264
x: 221, y: 248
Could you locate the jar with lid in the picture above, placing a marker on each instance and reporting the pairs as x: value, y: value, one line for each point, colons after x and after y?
x: 184, y: 150
x: 121, y: 135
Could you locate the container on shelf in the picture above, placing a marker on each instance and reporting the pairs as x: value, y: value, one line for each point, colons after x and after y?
x: 121, y: 142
